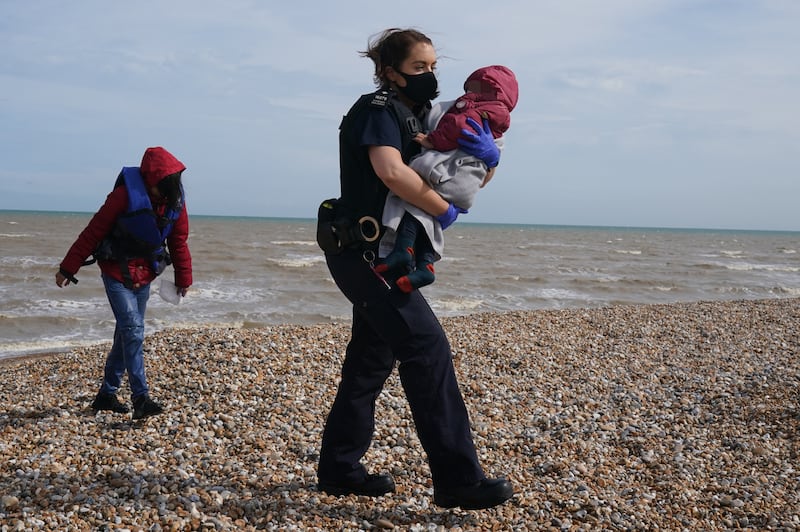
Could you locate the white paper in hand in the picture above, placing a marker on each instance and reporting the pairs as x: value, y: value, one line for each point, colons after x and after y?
x: 169, y: 292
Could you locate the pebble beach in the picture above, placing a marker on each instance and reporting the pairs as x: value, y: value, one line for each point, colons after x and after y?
x: 632, y: 417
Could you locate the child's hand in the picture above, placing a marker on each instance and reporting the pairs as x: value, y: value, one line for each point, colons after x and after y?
x: 489, y: 176
x: 422, y: 138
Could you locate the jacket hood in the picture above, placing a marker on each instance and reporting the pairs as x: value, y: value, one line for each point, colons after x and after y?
x: 158, y: 163
x: 502, y: 79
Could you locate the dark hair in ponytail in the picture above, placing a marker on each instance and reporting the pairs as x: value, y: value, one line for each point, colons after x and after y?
x: 390, y: 48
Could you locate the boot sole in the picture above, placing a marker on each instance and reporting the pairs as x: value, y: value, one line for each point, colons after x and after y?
x: 453, y: 502
x: 338, y: 490
x: 145, y: 416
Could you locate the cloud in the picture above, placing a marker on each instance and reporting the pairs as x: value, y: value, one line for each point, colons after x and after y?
x: 669, y: 95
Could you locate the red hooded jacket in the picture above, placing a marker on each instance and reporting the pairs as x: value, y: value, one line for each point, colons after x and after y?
x: 157, y: 163
x: 496, y: 104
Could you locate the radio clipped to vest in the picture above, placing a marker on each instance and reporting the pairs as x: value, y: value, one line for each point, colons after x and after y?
x: 336, y: 232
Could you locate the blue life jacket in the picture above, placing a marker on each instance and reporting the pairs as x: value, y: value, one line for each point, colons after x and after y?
x: 140, y: 222
x: 140, y: 232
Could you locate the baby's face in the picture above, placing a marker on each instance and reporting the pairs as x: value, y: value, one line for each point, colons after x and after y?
x: 472, y: 86
x: 478, y: 87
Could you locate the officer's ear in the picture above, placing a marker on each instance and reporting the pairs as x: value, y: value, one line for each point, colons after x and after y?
x: 393, y: 76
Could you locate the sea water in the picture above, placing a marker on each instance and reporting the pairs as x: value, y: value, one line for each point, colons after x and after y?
x: 251, y: 272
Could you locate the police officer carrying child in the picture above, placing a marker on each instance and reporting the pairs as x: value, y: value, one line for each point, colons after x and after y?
x: 375, y: 144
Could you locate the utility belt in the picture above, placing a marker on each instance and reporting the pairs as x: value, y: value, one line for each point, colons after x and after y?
x: 336, y: 231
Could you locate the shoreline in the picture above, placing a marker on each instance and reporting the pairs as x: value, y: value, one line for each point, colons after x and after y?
x: 667, y: 416
x: 20, y: 357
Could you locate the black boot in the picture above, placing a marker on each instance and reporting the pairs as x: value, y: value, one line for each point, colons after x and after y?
x: 144, y: 407
x: 371, y: 486
x: 109, y: 401
x: 485, y: 494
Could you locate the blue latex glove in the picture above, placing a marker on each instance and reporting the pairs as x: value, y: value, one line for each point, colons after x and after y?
x: 481, y: 145
x: 449, y: 216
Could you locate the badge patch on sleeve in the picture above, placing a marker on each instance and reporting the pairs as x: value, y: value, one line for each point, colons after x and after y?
x: 380, y: 99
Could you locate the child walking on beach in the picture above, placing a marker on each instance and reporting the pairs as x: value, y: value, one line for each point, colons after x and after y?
x: 140, y: 229
x: 490, y: 95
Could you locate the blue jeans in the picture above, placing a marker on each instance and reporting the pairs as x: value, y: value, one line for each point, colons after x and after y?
x: 127, y: 354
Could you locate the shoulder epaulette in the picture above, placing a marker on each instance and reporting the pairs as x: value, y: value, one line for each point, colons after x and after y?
x: 380, y: 98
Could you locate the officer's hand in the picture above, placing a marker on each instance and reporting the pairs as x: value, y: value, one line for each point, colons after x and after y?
x: 449, y: 216
x: 480, y: 145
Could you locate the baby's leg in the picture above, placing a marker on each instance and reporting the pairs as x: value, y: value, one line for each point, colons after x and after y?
x: 402, y: 256
x: 423, y: 274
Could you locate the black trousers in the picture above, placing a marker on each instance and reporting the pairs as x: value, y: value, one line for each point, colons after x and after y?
x: 389, y: 326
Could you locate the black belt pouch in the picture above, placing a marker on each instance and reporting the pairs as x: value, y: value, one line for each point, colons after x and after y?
x: 327, y: 237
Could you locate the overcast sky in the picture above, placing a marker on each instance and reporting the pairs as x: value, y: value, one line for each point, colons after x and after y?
x: 655, y: 113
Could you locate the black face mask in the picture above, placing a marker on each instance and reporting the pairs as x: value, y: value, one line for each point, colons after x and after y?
x: 420, y: 88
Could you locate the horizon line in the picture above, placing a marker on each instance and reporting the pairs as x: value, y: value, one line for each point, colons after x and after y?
x: 522, y: 224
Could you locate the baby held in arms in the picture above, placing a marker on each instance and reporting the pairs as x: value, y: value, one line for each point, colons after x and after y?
x: 490, y: 95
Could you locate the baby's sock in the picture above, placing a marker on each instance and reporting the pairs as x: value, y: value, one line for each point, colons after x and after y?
x: 422, y: 276
x: 399, y: 258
